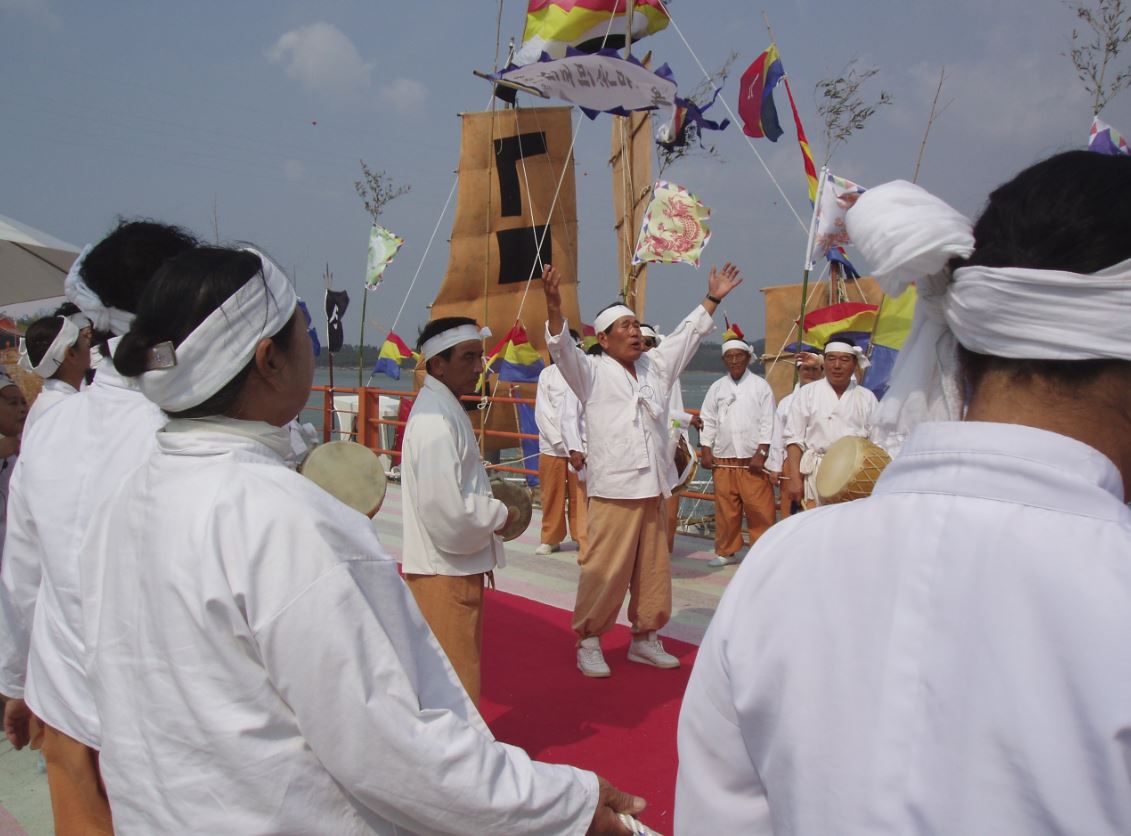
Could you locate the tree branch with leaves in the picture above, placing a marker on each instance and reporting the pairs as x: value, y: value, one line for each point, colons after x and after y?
x: 1110, y: 25
x: 843, y: 108
x: 376, y: 190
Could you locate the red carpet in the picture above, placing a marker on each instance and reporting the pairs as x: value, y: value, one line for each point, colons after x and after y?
x: 623, y: 728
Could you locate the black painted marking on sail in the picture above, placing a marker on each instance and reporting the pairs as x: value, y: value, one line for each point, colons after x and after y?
x: 508, y: 151
x: 518, y: 254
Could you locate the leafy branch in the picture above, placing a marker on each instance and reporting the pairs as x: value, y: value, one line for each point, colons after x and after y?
x: 842, y: 106
x: 668, y: 154
x: 1110, y: 25
x: 376, y: 190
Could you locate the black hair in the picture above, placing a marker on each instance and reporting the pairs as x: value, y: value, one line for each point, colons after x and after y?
x: 183, y: 292
x: 39, y: 336
x: 437, y: 326
x: 66, y: 309
x: 121, y: 264
x: 595, y: 350
x: 576, y: 336
x: 1069, y: 212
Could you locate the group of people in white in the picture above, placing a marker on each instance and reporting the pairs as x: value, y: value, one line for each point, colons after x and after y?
x: 207, y: 642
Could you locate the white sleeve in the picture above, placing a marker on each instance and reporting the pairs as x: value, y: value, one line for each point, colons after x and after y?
x: 459, y: 521
x: 793, y: 432
x: 767, y: 415
x: 571, y: 423
x: 545, y: 409
x: 709, y: 414
x: 380, y: 707
x: 675, y: 351
x: 776, y: 459
x: 718, y: 789
x: 576, y: 366
x: 20, y: 575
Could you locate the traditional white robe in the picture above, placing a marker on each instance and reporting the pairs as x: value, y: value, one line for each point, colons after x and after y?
x: 7, y: 466
x: 946, y: 656
x: 270, y: 673
x: 53, y: 391
x: 776, y: 460
x: 549, y: 407
x: 75, y: 456
x: 738, y: 416
x: 627, y: 420
x: 450, y: 515
x: 817, y: 418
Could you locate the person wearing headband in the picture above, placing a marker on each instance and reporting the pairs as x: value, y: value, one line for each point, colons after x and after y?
x: 810, y: 367
x: 948, y: 655
x: 258, y: 664
x: 558, y: 416
x: 821, y: 413
x: 451, y: 518
x: 738, y: 427
x: 679, y: 419
x: 73, y: 458
x: 630, y: 467
x: 57, y: 349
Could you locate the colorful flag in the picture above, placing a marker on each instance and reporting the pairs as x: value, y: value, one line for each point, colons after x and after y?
x: 585, y: 25
x: 836, y: 255
x: 393, y: 352
x: 674, y: 228
x: 852, y: 319
x: 731, y: 331
x: 1104, y: 139
x: 514, y: 359
x: 336, y: 303
x: 893, y: 323
x: 806, y: 154
x: 836, y: 198
x: 688, y: 122
x: 756, y: 96
x: 383, y: 246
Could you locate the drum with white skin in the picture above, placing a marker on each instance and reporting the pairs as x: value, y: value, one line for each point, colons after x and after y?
x: 849, y: 470
x: 348, y: 471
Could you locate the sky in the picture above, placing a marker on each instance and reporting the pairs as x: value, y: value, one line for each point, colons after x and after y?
x: 248, y: 119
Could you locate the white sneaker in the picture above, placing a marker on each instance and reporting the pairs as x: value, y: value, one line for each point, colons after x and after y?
x: 590, y: 659
x: 649, y: 651
x: 546, y: 548
x: 724, y: 560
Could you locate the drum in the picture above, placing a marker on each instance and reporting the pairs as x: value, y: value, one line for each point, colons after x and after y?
x: 849, y: 470
x: 686, y: 464
x: 348, y: 471
x: 513, y: 496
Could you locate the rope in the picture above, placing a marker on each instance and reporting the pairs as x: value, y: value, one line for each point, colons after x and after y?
x: 707, y: 75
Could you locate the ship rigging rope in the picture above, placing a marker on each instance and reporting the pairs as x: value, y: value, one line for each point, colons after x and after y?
x: 711, y: 81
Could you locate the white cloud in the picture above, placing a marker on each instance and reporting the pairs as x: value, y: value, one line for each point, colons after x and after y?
x: 321, y: 58
x: 406, y: 95
x: 293, y: 170
x: 38, y: 10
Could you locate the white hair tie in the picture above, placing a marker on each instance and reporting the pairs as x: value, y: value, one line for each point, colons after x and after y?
x: 102, y: 317
x: 730, y: 345
x: 53, y: 357
x: 452, y: 337
x: 221, y: 346
x: 610, y: 315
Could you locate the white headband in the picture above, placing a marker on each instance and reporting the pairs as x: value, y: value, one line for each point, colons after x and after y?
x: 844, y: 348
x: 1014, y: 312
x: 53, y: 357
x: 610, y: 315
x: 101, y: 317
x: 6, y: 380
x: 223, y: 344
x: 739, y: 344
x: 648, y: 331
x: 452, y: 337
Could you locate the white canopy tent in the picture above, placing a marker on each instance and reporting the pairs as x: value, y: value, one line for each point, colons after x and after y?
x: 33, y: 264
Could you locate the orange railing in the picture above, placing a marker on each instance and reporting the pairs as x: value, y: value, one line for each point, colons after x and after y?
x: 369, y: 421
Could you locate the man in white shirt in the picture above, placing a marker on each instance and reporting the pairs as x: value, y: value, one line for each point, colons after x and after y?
x: 57, y: 349
x: 821, y: 413
x: 451, y: 519
x: 738, y: 426
x: 74, y: 457
x: 810, y: 368
x: 949, y: 655
x: 561, y: 489
x: 630, y: 470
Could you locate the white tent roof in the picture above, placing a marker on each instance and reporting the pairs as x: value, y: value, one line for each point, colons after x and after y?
x: 33, y: 264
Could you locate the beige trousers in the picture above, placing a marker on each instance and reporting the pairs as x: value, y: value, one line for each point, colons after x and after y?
x: 627, y: 552
x: 739, y: 492
x: 78, y: 796
x: 561, y: 489
x: 453, y: 607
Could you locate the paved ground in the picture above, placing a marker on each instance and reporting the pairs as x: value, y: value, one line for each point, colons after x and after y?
x: 696, y: 588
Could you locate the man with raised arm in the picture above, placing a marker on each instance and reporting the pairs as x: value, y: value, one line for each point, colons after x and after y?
x: 625, y: 394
